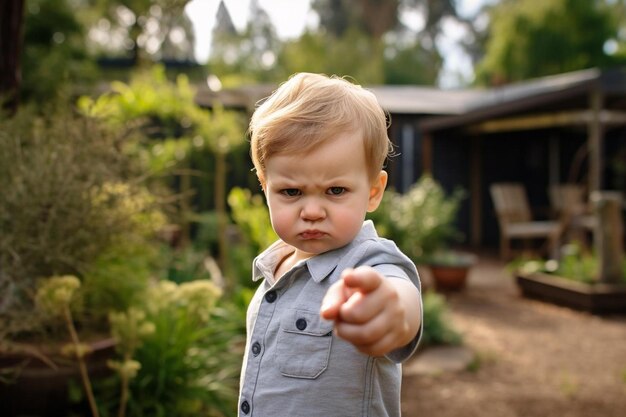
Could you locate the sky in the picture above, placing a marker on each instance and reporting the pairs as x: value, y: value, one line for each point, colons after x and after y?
x: 291, y: 17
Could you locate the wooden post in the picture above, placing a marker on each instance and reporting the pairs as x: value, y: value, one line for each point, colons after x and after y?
x: 476, y: 192
x: 427, y: 153
x: 608, y: 235
x: 595, y: 142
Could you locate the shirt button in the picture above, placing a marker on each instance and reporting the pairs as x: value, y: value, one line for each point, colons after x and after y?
x: 271, y: 296
x: 245, y: 407
x: 256, y: 348
x: 301, y: 324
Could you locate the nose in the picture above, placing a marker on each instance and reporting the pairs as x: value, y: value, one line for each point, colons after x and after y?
x: 312, y: 210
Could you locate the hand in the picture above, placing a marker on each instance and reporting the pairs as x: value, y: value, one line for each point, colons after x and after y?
x: 369, y: 311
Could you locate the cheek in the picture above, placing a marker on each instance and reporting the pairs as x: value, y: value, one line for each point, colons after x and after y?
x: 349, y: 219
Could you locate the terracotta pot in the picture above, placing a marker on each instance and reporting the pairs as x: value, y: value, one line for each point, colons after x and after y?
x: 449, y: 278
x: 41, y: 390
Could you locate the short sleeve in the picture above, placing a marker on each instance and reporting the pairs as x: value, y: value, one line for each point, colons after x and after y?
x: 384, y: 256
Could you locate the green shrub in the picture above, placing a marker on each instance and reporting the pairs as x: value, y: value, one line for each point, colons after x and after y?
x: 574, y: 263
x: 188, y: 362
x: 69, y: 200
x: 253, y: 221
x: 421, y: 221
x: 437, y: 327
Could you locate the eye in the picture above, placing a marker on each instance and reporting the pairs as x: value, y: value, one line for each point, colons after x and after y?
x: 336, y: 190
x: 290, y: 192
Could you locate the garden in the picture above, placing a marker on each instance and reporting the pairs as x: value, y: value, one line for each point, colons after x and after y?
x: 130, y: 216
x: 121, y: 297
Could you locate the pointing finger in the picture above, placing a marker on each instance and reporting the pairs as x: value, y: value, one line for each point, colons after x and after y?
x: 365, y: 279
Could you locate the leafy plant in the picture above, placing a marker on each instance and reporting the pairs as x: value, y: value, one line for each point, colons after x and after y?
x: 253, y: 222
x: 437, y: 328
x: 252, y: 217
x: 421, y: 221
x: 54, y: 297
x: 574, y: 263
x: 70, y: 199
x: 188, y: 363
x: 169, y: 129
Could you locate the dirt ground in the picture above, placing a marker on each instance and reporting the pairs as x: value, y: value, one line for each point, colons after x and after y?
x: 533, y: 359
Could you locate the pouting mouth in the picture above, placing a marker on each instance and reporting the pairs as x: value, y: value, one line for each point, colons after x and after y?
x: 312, y: 234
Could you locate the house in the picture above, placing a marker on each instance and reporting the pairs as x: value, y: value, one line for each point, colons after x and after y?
x: 564, y: 128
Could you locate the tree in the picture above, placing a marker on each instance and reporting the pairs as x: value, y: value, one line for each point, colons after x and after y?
x: 11, y: 22
x: 149, y: 29
x: 407, y: 55
x: 54, y: 53
x: 248, y: 56
x: 374, y: 17
x: 354, y: 54
x: 533, y: 38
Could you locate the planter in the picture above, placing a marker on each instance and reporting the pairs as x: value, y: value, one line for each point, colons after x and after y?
x: 597, y: 298
x: 41, y: 390
x: 450, y: 269
x: 449, y: 278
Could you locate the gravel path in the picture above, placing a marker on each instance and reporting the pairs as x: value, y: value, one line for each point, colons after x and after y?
x: 532, y: 358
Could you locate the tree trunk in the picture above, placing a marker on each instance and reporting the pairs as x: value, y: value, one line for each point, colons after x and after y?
x: 11, y: 39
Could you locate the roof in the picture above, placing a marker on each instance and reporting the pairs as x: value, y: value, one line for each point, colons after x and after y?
x: 424, y: 100
x: 531, y: 94
x: 450, y: 108
x: 395, y: 99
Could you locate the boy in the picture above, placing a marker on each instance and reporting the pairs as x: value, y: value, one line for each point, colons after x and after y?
x: 339, y: 308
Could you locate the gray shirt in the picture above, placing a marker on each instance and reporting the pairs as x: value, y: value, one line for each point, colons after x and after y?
x: 293, y: 364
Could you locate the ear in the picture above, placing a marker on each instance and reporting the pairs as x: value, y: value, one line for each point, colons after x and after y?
x: 377, y: 190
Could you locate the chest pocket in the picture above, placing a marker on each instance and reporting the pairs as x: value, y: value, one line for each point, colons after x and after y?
x: 304, y: 343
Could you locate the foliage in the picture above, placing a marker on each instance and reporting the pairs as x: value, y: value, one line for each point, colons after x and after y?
x: 365, y: 41
x: 171, y: 125
x: 421, y: 221
x: 253, y: 221
x: 353, y: 54
x: 574, y: 263
x: 533, y: 38
x: 54, y: 296
x: 184, y: 145
x: 187, y: 364
x: 53, y: 39
x: 251, y: 215
x: 249, y: 56
x: 411, y: 64
x: 67, y: 204
x: 437, y: 328
x: 144, y: 30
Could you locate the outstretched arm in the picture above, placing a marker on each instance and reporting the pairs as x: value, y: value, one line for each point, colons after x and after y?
x: 375, y: 314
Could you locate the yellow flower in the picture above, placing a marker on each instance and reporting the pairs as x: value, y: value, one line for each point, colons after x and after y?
x: 56, y: 293
x: 199, y: 297
x: 127, y: 369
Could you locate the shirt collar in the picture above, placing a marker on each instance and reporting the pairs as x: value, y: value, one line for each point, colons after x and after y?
x: 319, y: 266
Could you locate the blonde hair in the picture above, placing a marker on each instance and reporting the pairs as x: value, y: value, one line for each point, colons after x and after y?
x: 309, y: 109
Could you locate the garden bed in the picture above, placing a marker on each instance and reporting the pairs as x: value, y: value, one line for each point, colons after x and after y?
x: 597, y: 298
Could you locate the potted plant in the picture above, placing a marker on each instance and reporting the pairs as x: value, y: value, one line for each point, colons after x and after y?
x: 422, y: 223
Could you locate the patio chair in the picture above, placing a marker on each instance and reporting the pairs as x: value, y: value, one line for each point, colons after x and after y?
x: 516, y: 222
x: 569, y: 202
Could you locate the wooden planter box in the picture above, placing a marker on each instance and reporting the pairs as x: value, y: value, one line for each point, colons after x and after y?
x: 593, y: 298
x: 39, y: 390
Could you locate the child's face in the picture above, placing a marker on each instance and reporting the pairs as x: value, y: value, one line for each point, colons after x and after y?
x: 318, y: 200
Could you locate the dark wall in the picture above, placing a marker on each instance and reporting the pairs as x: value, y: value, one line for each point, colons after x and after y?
x: 513, y: 157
